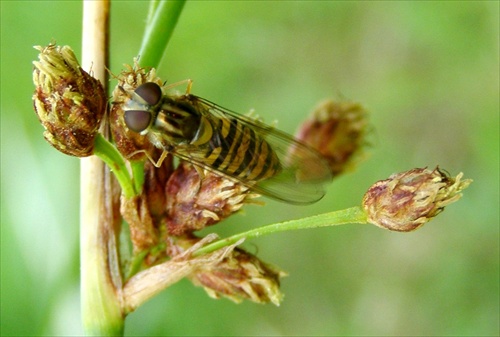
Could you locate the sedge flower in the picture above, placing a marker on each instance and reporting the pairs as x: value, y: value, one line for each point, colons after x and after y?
x: 407, y: 200
x: 68, y: 101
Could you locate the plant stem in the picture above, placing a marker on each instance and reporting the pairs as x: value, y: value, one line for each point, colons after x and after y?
x: 108, y: 153
x: 100, y: 278
x: 159, y: 30
x: 342, y: 217
x: 138, y: 175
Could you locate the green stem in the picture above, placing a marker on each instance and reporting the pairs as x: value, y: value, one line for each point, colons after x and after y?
x: 138, y: 174
x: 135, y: 264
x: 153, y: 5
x: 342, y: 217
x: 138, y: 259
x: 110, y: 155
x: 159, y: 30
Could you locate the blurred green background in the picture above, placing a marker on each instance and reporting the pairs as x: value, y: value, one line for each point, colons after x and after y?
x: 428, y: 72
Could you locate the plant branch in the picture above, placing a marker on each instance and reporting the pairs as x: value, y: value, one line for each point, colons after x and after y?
x: 342, y: 217
x: 110, y: 155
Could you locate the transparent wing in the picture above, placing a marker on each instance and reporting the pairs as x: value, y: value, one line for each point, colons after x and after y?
x: 304, y: 171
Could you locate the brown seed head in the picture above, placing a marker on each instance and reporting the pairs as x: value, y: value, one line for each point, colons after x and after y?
x: 238, y: 276
x: 407, y: 200
x: 68, y: 101
x: 194, y: 202
x: 337, y: 131
x: 127, y: 141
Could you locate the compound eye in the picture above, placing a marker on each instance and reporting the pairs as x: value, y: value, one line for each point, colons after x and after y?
x: 137, y: 120
x: 150, y: 92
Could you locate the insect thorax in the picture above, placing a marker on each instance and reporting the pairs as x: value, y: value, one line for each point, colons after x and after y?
x: 178, y: 122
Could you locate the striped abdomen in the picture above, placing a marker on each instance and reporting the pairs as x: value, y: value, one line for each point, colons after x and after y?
x: 238, y: 151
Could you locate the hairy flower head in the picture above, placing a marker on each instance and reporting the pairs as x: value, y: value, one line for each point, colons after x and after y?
x: 198, y: 199
x: 407, y: 200
x: 68, y: 101
x: 337, y: 131
x: 237, y: 276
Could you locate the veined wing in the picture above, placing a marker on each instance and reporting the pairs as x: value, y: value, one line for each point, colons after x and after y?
x: 303, y: 173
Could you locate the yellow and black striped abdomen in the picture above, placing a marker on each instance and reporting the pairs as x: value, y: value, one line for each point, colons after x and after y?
x: 237, y: 150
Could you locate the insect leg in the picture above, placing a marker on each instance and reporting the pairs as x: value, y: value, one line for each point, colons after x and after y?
x: 188, y: 82
x: 155, y: 163
x: 200, y: 171
x: 160, y: 161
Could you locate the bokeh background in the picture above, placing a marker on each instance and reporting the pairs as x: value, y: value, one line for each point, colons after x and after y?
x: 428, y: 72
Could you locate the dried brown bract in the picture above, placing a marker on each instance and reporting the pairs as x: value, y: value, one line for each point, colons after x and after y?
x: 136, y: 212
x: 155, y: 182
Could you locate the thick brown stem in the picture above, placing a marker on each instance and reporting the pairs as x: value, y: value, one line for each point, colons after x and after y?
x: 100, y: 277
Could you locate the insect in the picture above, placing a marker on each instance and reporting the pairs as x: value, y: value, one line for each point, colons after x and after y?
x: 266, y: 160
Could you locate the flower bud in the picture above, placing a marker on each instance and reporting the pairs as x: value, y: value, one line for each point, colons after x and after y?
x: 68, y: 101
x: 337, y: 131
x: 194, y: 202
x: 131, y: 144
x: 407, y: 200
x: 238, y: 276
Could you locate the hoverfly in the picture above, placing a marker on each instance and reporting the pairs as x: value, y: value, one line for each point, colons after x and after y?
x: 266, y: 160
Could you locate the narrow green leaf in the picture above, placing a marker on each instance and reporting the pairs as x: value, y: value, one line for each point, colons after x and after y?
x: 158, y: 31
